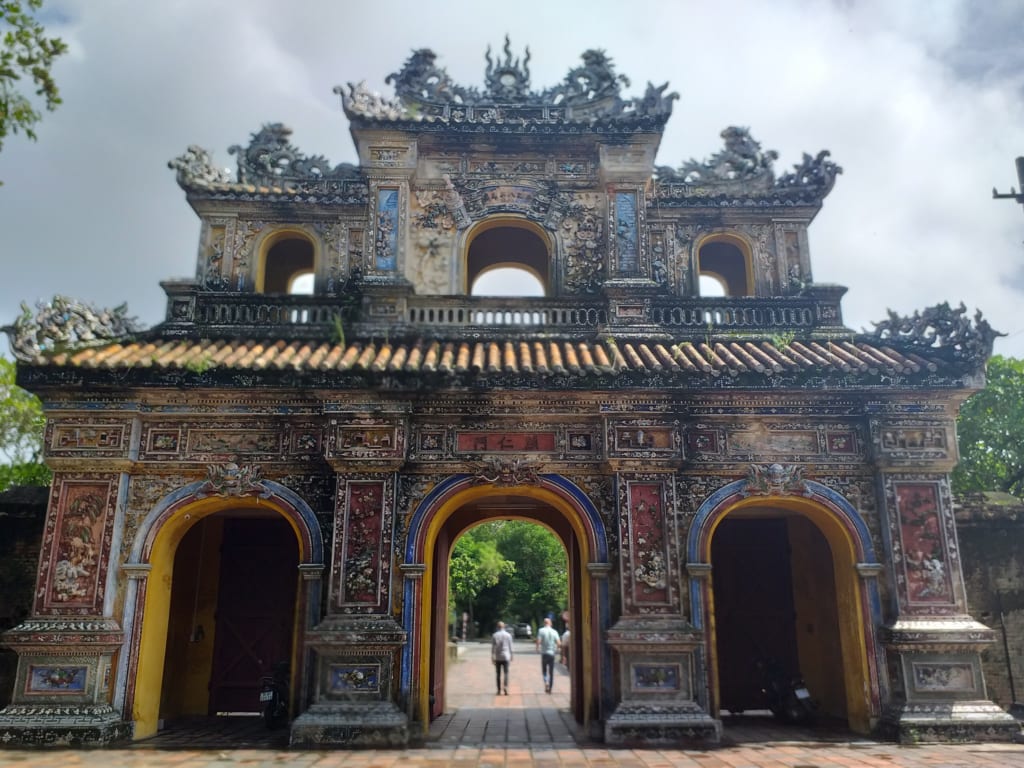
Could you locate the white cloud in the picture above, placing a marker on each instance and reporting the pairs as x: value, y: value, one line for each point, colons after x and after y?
x: 921, y: 102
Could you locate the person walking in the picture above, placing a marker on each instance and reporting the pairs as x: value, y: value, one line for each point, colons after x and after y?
x: 565, y: 646
x: 501, y: 654
x: 548, y: 643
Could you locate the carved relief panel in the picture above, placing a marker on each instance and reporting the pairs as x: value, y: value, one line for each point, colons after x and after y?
x: 361, y: 568
x: 438, y: 441
x: 765, y: 263
x: 581, y: 231
x: 367, y: 437
x: 643, y: 439
x: 76, y: 544
x: 909, y: 441
x: 334, y: 267
x: 923, y: 539
x: 241, y: 271
x: 201, y: 441
x: 758, y: 440
x: 649, y: 570
x: 627, y: 224
x: 214, y: 265
x: 389, y: 222
x: 790, y: 242
x: 430, y: 264
x: 88, y: 437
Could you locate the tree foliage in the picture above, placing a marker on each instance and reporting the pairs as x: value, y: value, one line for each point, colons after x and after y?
x: 26, y: 52
x: 21, y: 433
x: 991, y: 432
x: 476, y: 564
x: 532, y: 584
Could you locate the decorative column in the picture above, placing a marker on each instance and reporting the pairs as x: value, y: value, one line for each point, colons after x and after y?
x: 389, y: 160
x: 657, y: 650
x: 66, y: 648
x: 355, y: 648
x: 932, y: 644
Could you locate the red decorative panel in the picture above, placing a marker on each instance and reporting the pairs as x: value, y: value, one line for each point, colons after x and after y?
x: 926, y: 568
x: 504, y: 442
x: 76, y: 546
x: 361, y: 544
x: 841, y: 443
x: 647, y: 570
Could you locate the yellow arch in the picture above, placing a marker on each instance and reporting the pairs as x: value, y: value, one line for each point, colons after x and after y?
x: 741, y: 243
x: 157, y: 606
x: 849, y: 598
x: 437, y: 523
x: 513, y: 222
x: 273, y: 238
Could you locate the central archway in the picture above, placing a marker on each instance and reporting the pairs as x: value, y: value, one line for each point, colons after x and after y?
x: 458, y: 504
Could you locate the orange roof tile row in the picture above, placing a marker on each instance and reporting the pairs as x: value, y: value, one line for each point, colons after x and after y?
x: 564, y: 358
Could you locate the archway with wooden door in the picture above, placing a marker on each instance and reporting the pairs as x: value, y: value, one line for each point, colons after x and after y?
x: 220, y: 602
x: 791, y: 580
x: 464, y: 501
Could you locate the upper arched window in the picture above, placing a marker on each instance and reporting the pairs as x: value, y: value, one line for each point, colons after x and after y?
x: 288, y: 266
x: 508, y: 257
x: 724, y: 261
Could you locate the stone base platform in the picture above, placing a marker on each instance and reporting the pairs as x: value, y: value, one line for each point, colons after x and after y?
x: 360, y: 726
x: 67, y: 726
x: 643, y: 725
x: 962, y: 721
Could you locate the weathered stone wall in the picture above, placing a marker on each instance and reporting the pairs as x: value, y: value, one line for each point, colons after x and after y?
x: 990, y: 527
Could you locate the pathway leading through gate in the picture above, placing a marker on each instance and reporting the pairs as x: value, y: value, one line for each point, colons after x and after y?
x: 474, y: 715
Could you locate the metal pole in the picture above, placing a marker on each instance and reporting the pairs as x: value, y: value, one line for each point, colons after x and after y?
x: 1013, y: 194
x: 999, y: 597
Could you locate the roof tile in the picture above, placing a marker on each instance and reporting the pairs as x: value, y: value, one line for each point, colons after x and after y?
x: 523, y: 356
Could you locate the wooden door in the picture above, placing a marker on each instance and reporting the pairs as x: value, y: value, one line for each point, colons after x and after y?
x: 255, y: 610
x: 754, y: 612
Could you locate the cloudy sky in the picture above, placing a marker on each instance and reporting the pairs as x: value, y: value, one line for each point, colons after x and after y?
x: 920, y: 101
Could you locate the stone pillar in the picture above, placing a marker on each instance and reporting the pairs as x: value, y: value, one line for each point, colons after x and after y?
x: 66, y: 648
x: 657, y: 650
x: 932, y: 644
x: 354, y: 651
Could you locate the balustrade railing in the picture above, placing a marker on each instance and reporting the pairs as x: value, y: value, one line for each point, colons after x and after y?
x: 305, y: 316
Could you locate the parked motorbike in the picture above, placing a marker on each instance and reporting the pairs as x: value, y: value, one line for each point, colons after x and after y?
x: 786, y: 696
x: 274, y: 696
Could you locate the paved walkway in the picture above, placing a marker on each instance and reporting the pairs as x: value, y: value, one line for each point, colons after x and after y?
x: 526, y: 729
x: 474, y: 714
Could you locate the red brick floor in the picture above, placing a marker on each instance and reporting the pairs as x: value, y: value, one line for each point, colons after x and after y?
x: 529, y: 728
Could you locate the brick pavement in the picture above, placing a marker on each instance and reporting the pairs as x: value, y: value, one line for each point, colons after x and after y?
x: 529, y: 728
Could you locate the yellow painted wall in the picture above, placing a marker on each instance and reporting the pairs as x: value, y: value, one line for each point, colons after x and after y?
x: 817, y: 620
x: 191, y: 624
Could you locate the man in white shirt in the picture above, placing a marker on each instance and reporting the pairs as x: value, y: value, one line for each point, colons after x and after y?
x: 548, y: 643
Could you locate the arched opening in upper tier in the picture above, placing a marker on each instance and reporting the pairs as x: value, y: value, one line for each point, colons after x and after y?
x: 287, y: 264
x: 508, y: 257
x: 726, y: 260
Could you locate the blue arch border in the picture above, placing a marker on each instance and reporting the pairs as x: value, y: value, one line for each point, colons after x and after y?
x: 814, y: 489
x: 452, y: 484
x: 296, y: 502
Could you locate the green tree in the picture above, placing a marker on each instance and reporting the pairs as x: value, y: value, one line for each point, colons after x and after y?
x: 539, y: 584
x: 475, y: 565
x: 991, y: 432
x: 530, y: 580
x: 21, y: 433
x: 27, y: 52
